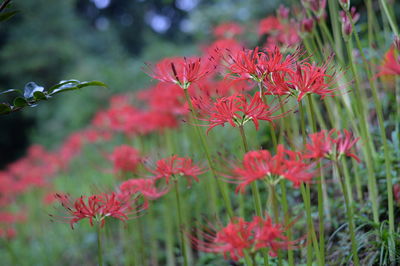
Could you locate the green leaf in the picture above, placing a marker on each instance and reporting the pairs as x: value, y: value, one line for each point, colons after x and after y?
x: 20, y: 102
x: 62, y: 83
x: 10, y: 91
x: 92, y: 83
x: 38, y: 95
x: 7, y: 15
x: 70, y: 87
x: 5, y: 108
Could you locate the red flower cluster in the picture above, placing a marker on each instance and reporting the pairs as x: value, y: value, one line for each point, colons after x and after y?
x: 181, y: 71
x: 261, y: 165
x: 227, y: 30
x: 127, y: 119
x: 240, y: 236
x: 96, y: 208
x: 236, y: 110
x: 175, y: 166
x: 125, y: 158
x: 391, y: 64
x: 146, y: 186
x: 324, y: 145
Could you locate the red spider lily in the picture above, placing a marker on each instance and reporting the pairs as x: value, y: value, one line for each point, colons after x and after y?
x: 270, y: 235
x: 227, y: 30
x: 261, y: 165
x: 125, y: 158
x: 391, y: 64
x: 268, y: 24
x: 256, y: 65
x: 345, y: 143
x: 234, y: 239
x: 181, y: 71
x: 324, y: 145
x: 166, y: 98
x: 175, y: 166
x: 96, y: 208
x: 220, y: 49
x: 235, y: 110
x: 240, y: 236
x: 310, y: 78
x: 145, y: 186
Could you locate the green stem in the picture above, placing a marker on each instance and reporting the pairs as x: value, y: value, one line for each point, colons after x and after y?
x: 169, y: 233
x: 220, y: 185
x: 254, y: 190
x: 180, y: 224
x: 391, y: 20
x: 367, y: 148
x: 349, y: 210
x: 319, y: 188
x: 381, y: 123
x: 99, y: 249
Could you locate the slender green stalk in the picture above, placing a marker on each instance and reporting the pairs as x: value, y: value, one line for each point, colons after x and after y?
x: 254, y: 190
x: 367, y: 148
x: 319, y: 188
x: 381, y: 123
x: 180, y: 224
x: 349, y: 211
x: 391, y: 20
x: 169, y: 233
x: 220, y: 185
x: 99, y: 249
x: 333, y: 14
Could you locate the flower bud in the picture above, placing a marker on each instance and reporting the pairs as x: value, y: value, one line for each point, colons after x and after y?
x: 396, y: 43
x: 283, y: 12
x: 347, y: 28
x: 307, y: 25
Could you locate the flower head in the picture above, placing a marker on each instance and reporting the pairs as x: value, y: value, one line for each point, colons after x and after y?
x: 236, y: 110
x: 256, y: 65
x: 391, y: 64
x: 96, y: 208
x: 262, y: 165
x: 227, y: 30
x: 240, y: 236
x: 175, y: 166
x: 312, y: 79
x: 146, y: 186
x: 323, y: 144
x: 181, y: 71
x: 125, y: 158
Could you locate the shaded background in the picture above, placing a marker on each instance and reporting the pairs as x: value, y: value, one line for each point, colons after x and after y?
x: 105, y: 40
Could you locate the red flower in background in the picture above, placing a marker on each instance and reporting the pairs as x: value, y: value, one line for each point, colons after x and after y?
x: 240, y: 236
x: 269, y: 24
x: 391, y: 64
x: 96, y: 208
x: 175, y: 166
x: 145, y: 186
x: 125, y: 158
x: 261, y: 165
x: 227, y: 30
x: 324, y: 145
x: 236, y: 110
x: 233, y: 240
x: 181, y: 71
x: 269, y: 235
